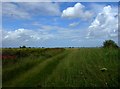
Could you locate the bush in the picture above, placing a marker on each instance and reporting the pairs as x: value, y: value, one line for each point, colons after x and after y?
x: 109, y: 44
x: 23, y: 46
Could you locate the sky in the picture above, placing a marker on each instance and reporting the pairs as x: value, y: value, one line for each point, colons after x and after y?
x: 58, y: 24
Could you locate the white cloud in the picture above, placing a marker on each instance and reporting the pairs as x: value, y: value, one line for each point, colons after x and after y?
x: 74, y: 24
x: 12, y: 10
x: 28, y: 9
x: 46, y: 35
x: 105, y: 24
x: 42, y: 8
x: 24, y: 37
x: 78, y: 11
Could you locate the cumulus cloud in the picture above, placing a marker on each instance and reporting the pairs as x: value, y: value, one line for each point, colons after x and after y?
x: 78, y: 11
x: 42, y: 8
x: 23, y: 10
x: 46, y: 35
x: 12, y: 10
x: 24, y: 37
x: 74, y: 24
x: 105, y: 24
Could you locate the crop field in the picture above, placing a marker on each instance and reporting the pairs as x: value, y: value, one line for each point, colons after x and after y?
x: 60, y: 67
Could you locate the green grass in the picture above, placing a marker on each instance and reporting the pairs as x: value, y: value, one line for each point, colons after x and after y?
x: 74, y: 67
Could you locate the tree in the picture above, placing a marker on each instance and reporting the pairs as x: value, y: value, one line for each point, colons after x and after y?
x: 109, y: 44
x: 23, y: 46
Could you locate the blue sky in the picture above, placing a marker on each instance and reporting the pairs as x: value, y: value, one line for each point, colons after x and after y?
x: 78, y: 24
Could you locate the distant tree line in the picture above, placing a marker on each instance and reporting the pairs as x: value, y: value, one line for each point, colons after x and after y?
x: 106, y: 44
x: 28, y: 47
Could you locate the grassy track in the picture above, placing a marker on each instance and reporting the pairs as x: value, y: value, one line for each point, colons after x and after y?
x: 83, y: 70
x: 75, y: 67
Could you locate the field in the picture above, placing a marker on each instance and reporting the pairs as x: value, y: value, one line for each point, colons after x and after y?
x: 60, y: 67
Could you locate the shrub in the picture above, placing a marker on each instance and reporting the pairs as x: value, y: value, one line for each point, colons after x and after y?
x: 23, y: 46
x: 109, y: 44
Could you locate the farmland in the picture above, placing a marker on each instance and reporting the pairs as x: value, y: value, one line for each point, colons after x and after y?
x: 60, y: 67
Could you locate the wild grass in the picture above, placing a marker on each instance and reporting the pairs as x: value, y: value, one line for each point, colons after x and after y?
x: 58, y: 67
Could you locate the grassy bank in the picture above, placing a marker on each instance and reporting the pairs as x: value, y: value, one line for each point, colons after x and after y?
x: 58, y: 67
